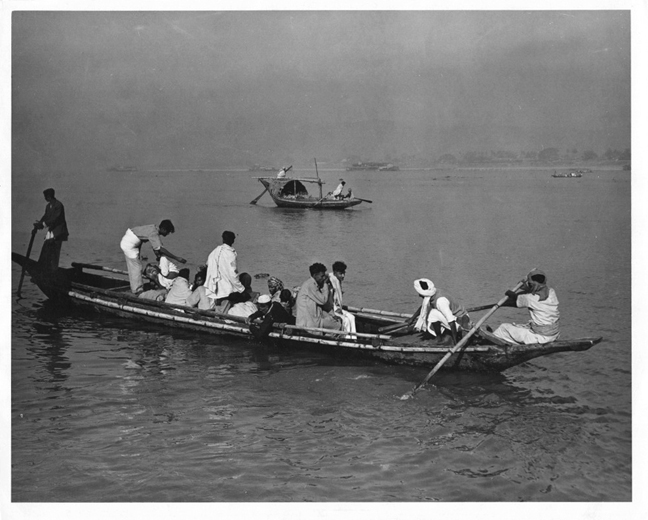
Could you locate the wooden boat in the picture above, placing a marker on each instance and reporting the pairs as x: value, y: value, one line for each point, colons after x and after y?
x: 259, y: 168
x: 108, y: 294
x: 369, y: 166
x: 569, y: 175
x: 290, y: 192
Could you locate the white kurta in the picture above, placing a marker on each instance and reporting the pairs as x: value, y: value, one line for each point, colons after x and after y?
x: 222, y: 272
x: 348, y: 319
x: 166, y: 267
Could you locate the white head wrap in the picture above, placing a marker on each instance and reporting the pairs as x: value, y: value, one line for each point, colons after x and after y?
x: 430, y: 291
x: 264, y: 298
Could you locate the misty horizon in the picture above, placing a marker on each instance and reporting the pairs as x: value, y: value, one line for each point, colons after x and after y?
x: 209, y: 89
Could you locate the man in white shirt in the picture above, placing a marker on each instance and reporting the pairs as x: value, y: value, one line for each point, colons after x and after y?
x: 222, y: 270
x: 542, y: 303
x: 168, y: 272
x: 180, y: 289
x: 337, y: 277
x: 337, y: 193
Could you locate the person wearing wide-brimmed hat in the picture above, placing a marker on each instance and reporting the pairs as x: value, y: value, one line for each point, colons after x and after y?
x: 542, y: 303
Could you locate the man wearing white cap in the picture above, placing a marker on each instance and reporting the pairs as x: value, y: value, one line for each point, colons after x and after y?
x: 439, y: 312
x: 271, y: 312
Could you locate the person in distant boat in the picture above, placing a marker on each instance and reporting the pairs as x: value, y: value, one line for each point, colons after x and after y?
x: 439, y: 313
x: 315, y: 301
x: 268, y: 312
x: 337, y: 192
x: 152, y: 290
x: 57, y: 231
x: 180, y: 290
x: 281, y: 173
x: 199, y: 297
x: 222, y: 270
x: 542, y: 304
x: 131, y: 245
x: 336, y: 278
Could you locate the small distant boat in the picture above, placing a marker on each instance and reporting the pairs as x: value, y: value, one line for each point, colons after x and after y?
x: 258, y: 168
x: 290, y: 192
x: 122, y: 169
x: 389, y: 168
x: 372, y: 166
x: 570, y: 175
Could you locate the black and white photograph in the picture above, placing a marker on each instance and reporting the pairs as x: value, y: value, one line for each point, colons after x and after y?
x: 358, y: 260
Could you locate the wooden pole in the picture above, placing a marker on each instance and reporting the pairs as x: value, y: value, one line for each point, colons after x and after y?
x: 319, y: 181
x: 29, y: 248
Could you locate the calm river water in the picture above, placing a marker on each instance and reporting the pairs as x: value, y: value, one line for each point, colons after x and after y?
x: 106, y: 410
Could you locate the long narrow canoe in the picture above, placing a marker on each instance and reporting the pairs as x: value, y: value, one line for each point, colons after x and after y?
x: 109, y: 294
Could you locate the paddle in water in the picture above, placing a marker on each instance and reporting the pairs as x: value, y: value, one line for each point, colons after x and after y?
x: 263, y: 192
x: 460, y: 344
x: 29, y: 248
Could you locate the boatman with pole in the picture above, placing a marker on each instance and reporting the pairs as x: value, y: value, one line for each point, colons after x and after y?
x: 57, y: 231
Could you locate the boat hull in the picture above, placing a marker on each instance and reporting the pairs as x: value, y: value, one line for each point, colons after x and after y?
x: 111, y: 295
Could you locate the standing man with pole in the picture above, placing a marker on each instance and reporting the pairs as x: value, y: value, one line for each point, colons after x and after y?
x: 57, y: 231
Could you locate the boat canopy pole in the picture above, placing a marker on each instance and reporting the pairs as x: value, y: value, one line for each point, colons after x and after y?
x: 319, y: 182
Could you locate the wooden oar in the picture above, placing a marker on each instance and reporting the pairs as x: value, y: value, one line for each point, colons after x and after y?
x: 480, y: 308
x: 29, y: 248
x: 364, y: 200
x: 263, y: 192
x: 257, y: 199
x: 98, y: 268
x: 461, y: 343
x: 376, y: 311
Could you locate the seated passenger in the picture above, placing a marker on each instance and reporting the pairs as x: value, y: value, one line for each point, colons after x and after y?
x: 269, y: 312
x: 336, y: 278
x: 241, y: 303
x: 152, y: 288
x: 287, y: 301
x: 199, y: 297
x: 275, y: 286
x: 168, y: 272
x: 315, y: 301
x: 439, y: 312
x: 180, y: 290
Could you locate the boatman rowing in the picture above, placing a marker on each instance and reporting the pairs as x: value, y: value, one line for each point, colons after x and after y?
x: 542, y: 304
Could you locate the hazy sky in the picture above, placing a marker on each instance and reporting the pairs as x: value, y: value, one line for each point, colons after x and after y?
x: 201, y: 89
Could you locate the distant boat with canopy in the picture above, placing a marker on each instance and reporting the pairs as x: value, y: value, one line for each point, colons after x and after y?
x: 291, y: 192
